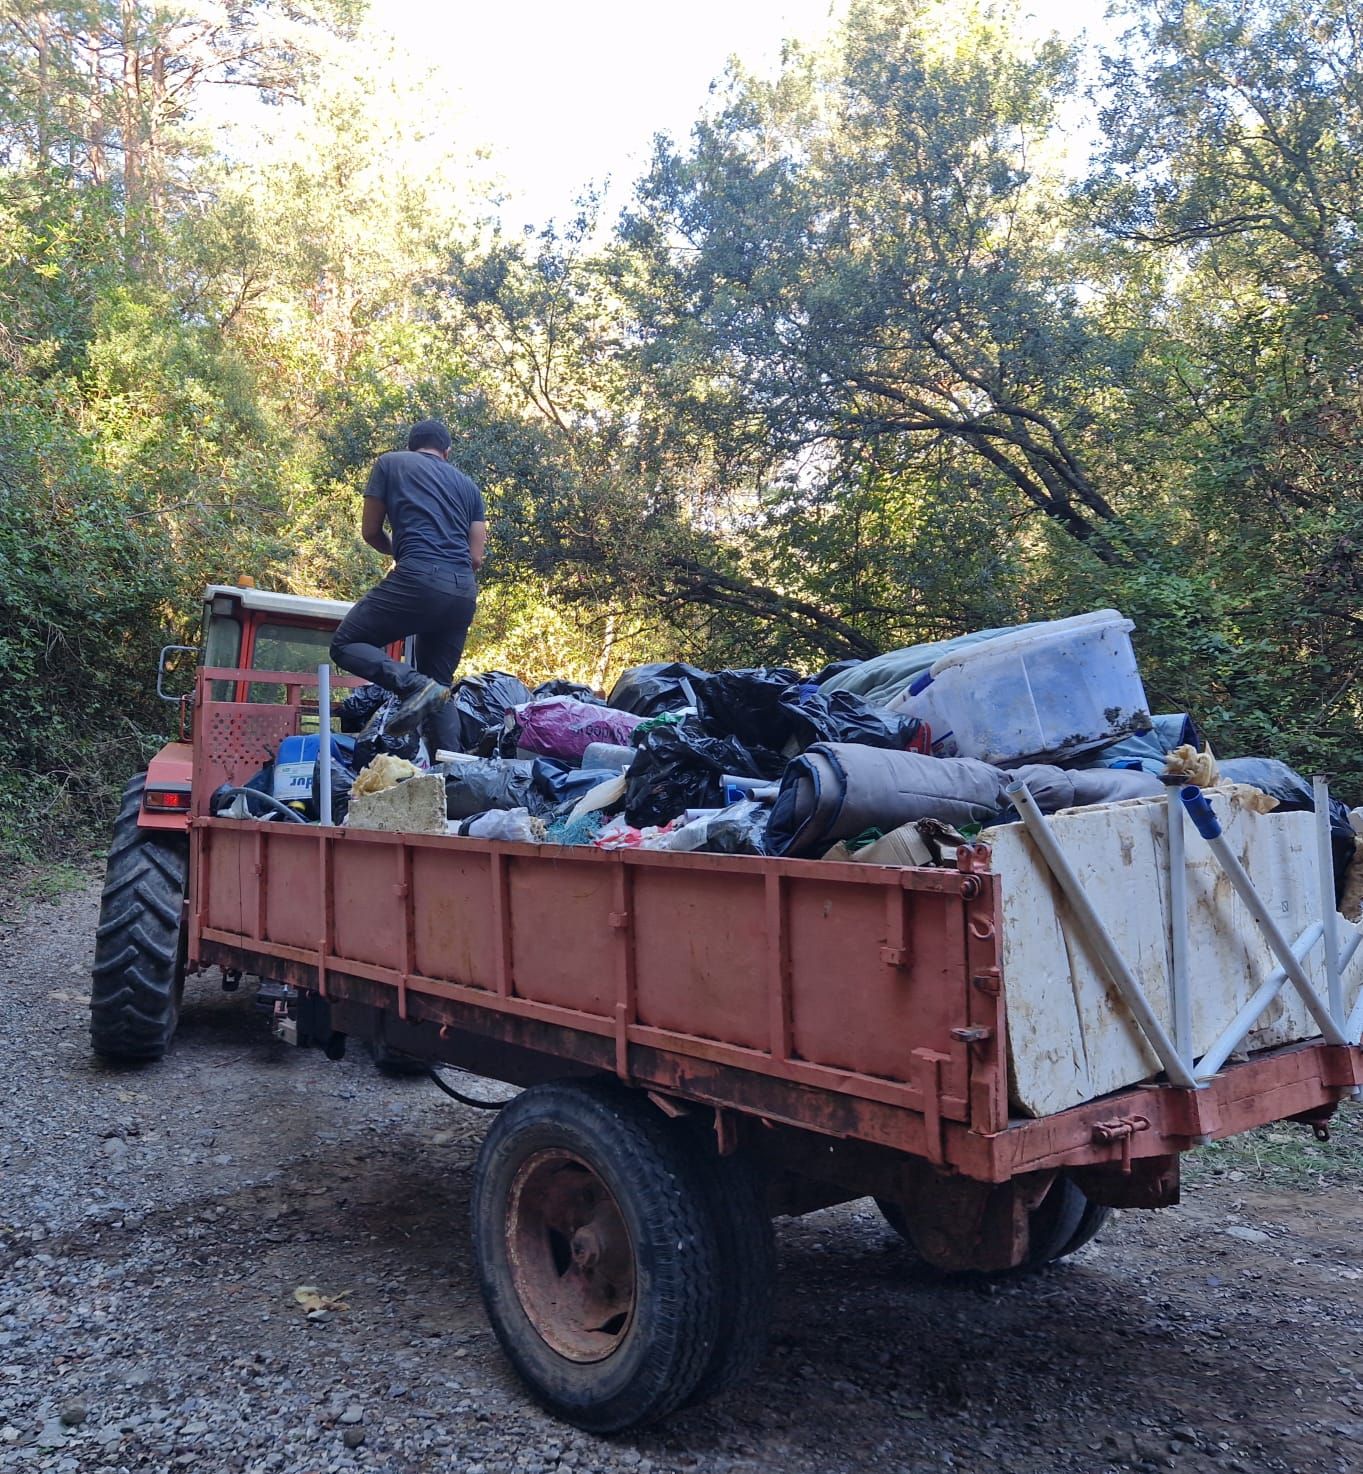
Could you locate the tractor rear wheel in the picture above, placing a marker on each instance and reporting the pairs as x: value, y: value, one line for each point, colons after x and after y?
x: 140, y: 945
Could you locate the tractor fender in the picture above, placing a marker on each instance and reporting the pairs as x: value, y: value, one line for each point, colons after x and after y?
x: 172, y: 769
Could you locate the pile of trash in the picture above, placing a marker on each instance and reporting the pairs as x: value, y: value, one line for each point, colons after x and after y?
x: 895, y: 760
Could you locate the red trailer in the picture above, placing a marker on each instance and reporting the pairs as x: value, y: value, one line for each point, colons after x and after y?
x: 706, y: 1041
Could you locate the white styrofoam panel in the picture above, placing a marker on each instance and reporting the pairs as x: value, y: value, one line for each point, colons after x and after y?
x: 1070, y: 1036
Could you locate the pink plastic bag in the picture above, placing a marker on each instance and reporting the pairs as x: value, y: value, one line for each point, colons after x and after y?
x: 561, y: 727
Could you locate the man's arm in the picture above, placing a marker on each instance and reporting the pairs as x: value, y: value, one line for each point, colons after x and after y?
x: 477, y: 544
x: 371, y: 527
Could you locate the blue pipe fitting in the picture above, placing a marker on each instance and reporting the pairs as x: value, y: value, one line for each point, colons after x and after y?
x: 1200, y: 812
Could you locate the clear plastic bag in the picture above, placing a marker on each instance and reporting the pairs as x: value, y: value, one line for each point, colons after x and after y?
x: 512, y: 825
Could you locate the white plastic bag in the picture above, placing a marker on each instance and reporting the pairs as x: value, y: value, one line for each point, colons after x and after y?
x: 508, y: 824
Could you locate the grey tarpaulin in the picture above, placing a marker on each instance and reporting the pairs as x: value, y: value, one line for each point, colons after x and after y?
x: 1149, y: 750
x: 1073, y: 788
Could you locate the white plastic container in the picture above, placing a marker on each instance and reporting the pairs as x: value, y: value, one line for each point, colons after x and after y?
x: 923, y: 705
x: 1051, y: 691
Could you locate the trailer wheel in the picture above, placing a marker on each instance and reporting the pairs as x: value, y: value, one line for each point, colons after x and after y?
x: 394, y: 1063
x: 597, y: 1254
x: 141, y: 941
x: 747, y: 1251
x: 898, y: 1220
x: 1061, y: 1224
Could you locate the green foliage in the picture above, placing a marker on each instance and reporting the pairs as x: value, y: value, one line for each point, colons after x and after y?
x: 863, y: 363
x: 1286, y: 1155
x: 82, y: 590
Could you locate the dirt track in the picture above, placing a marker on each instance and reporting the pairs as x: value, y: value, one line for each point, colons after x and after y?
x: 154, y: 1226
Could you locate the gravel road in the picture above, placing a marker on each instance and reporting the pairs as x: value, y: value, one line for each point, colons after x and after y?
x: 155, y: 1225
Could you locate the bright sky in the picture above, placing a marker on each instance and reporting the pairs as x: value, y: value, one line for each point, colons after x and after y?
x: 566, y: 92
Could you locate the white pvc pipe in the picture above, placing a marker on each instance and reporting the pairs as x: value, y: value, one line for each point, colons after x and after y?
x: 1133, y: 995
x: 1180, y: 996
x: 1325, y: 863
x: 324, y: 743
x: 1354, y: 1028
x: 1248, y: 1016
x: 1282, y: 948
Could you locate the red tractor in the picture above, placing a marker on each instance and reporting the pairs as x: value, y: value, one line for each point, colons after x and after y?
x: 141, y: 945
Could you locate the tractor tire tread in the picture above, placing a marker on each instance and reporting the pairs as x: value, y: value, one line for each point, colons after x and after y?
x: 137, y: 971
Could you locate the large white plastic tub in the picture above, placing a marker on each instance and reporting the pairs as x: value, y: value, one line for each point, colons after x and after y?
x: 1049, y: 691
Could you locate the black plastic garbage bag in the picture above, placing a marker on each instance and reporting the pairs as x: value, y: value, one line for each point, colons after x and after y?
x: 365, y: 712
x: 1294, y: 792
x: 575, y: 689
x: 771, y: 707
x: 679, y: 768
x: 482, y: 703
x: 650, y: 690
x: 736, y: 830
x: 835, y: 669
x: 489, y: 783
x: 358, y: 709
x: 843, y: 716
x: 369, y: 745
x: 747, y: 704
x: 341, y: 779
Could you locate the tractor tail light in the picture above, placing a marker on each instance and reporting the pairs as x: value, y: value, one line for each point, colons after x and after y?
x: 170, y: 799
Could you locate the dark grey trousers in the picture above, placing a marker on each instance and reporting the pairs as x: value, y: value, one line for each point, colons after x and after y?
x: 429, y: 601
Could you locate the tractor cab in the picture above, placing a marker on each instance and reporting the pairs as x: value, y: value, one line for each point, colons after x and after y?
x: 252, y: 629
x: 244, y: 628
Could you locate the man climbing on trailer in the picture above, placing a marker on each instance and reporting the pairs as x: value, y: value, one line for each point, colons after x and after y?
x: 437, y: 537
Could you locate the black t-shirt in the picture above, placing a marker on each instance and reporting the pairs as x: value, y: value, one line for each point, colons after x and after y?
x: 430, y: 504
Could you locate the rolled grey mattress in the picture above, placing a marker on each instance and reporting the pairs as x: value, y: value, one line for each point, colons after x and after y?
x: 838, y: 790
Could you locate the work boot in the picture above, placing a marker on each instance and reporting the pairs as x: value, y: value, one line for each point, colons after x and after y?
x: 409, y: 714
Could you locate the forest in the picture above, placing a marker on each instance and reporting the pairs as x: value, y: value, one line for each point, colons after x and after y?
x: 934, y: 328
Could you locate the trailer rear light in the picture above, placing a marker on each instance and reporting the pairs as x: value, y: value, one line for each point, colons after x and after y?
x: 167, y: 800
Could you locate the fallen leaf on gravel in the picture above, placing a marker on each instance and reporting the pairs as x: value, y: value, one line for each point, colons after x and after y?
x: 311, y: 1298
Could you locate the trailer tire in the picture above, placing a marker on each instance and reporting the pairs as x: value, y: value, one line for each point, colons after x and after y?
x: 898, y: 1220
x: 1062, y: 1227
x: 395, y: 1063
x: 747, y: 1250
x: 597, y: 1254
x: 141, y: 941
x: 1061, y: 1224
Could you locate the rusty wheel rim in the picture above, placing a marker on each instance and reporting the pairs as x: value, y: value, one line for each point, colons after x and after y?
x: 571, y: 1258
